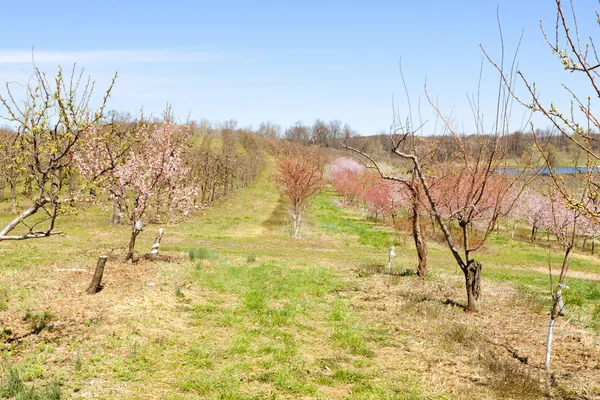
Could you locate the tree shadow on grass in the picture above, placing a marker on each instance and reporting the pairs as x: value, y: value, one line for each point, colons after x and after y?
x: 277, y: 217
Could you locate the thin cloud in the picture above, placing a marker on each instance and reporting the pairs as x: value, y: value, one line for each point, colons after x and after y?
x: 105, y: 56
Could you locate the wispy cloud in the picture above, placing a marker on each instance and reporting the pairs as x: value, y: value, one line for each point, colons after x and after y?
x: 106, y: 56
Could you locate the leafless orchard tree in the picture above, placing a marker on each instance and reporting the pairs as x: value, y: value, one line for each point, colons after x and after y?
x: 468, y: 189
x: 411, y: 183
x: 578, y: 124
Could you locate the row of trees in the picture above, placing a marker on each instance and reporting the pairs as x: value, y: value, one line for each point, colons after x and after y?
x: 63, y: 154
x: 477, y: 194
x: 320, y: 133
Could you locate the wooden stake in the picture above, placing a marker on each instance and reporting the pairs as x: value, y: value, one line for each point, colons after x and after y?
x: 96, y: 284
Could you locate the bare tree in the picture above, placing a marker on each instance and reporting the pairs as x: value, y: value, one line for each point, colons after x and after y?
x: 564, y: 224
x: 468, y: 188
x: 579, y: 124
x: 413, y: 186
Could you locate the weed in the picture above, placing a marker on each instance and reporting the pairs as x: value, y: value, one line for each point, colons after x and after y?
x: 463, y: 335
x: 348, y: 376
x: 346, y: 334
x: 201, y: 253
x: 405, y: 272
x: 5, y: 333
x: 251, y: 258
x: 595, y: 319
x: 38, y: 321
x: 78, y: 362
x: 530, y: 298
x: 368, y: 269
x: 13, y: 387
x: 13, y: 382
x: 510, y: 379
x: 178, y: 292
x: 3, y: 298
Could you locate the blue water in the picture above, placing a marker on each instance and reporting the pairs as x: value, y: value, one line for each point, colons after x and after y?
x: 546, y: 171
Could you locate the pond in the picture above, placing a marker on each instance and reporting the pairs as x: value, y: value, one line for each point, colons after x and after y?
x: 546, y: 171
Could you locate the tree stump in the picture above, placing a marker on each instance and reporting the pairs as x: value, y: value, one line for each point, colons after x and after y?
x: 96, y: 284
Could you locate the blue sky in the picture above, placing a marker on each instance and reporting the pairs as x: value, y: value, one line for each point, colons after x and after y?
x: 286, y: 61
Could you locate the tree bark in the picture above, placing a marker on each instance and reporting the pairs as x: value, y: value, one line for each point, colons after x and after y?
x: 131, y: 249
x: 420, y: 244
x: 25, y: 214
x: 297, y: 219
x: 116, y: 214
x: 13, y: 197
x: 473, y: 283
x: 96, y: 284
x: 2, y: 187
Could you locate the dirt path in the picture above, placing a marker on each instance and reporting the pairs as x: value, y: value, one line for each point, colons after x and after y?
x: 590, y: 276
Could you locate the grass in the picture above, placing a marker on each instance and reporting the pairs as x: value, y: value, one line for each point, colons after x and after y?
x: 202, y: 254
x: 13, y: 386
x: 243, y: 311
x: 38, y: 321
x: 331, y: 218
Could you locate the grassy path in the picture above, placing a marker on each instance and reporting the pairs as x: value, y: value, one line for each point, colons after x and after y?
x: 245, y: 312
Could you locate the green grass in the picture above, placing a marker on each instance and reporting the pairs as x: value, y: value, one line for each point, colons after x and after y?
x: 246, y: 312
x: 333, y: 219
x: 14, y: 387
x: 202, y: 254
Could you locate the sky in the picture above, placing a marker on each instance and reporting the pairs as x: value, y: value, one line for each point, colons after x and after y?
x: 290, y: 61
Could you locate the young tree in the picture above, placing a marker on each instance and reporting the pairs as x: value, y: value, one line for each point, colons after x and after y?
x: 564, y: 225
x: 477, y: 195
x: 300, y: 176
x: 413, y: 187
x: 52, y: 120
x: 151, y: 174
x: 579, y: 124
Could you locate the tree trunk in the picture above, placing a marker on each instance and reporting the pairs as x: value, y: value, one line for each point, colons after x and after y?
x: 156, y: 245
x: 131, y: 249
x: 116, y: 214
x: 72, y: 184
x: 2, y: 187
x: 297, y: 219
x: 420, y: 244
x: 593, y: 245
x: 13, y: 197
x: 549, y: 344
x: 473, y: 284
x: 96, y: 284
x: 533, y: 231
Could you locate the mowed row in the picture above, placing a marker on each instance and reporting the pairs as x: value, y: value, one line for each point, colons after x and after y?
x: 238, y: 309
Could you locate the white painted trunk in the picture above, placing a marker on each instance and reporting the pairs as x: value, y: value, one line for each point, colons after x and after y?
x: 157, y: 242
x: 549, y: 344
